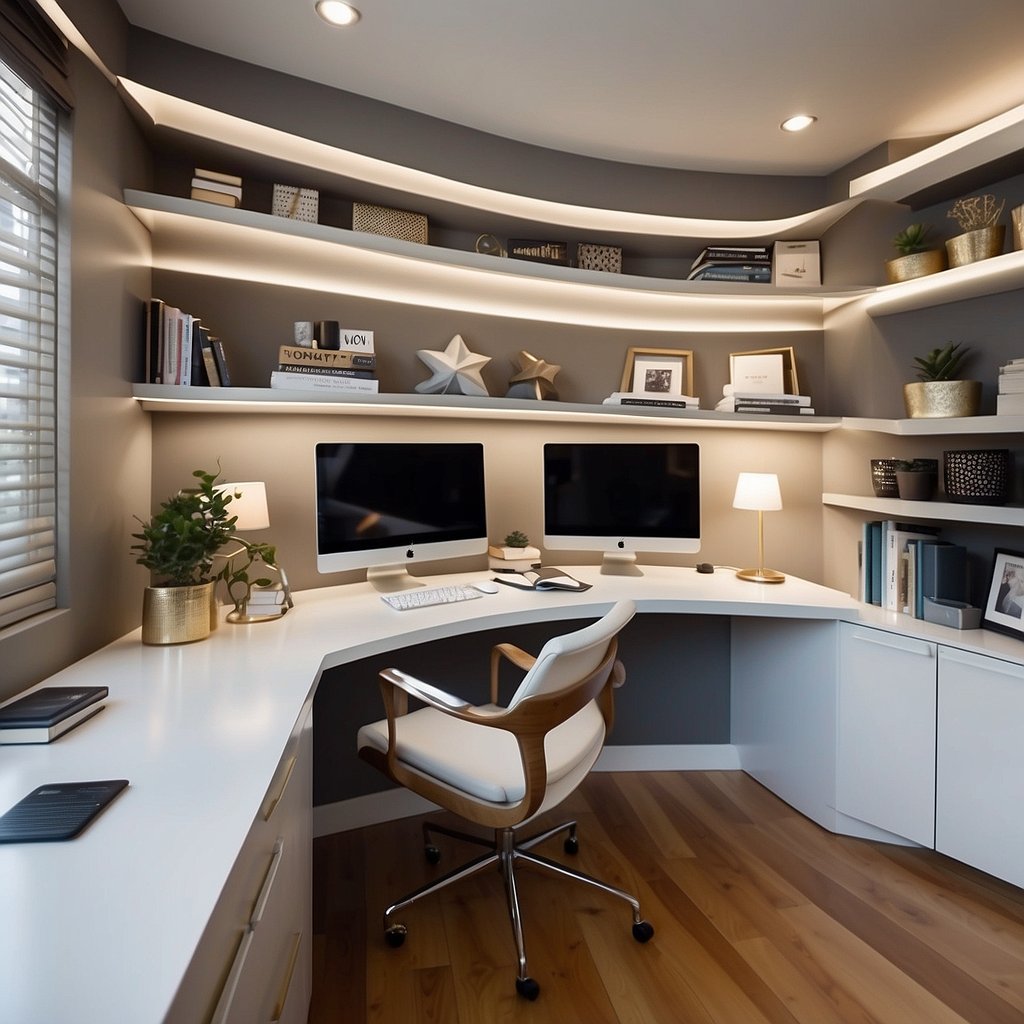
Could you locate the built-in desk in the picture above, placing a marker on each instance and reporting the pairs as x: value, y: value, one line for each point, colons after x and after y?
x: 105, y: 928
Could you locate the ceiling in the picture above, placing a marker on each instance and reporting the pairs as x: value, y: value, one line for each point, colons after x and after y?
x: 699, y: 84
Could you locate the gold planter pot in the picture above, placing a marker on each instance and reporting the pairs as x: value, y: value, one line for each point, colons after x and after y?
x: 915, y: 264
x: 975, y: 245
x: 177, y: 615
x: 935, y: 398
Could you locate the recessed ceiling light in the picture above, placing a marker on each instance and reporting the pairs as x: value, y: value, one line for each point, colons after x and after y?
x: 798, y: 122
x: 334, y: 12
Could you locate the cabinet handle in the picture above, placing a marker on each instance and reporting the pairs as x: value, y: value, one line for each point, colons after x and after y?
x: 271, y: 805
x: 286, y: 983
x: 897, y: 643
x: 227, y: 993
x: 268, y: 884
x: 983, y: 661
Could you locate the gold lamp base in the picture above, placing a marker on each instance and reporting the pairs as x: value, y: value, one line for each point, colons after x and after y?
x: 240, y: 616
x: 761, y: 575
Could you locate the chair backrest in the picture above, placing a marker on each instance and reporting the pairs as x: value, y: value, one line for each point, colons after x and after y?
x: 565, y: 660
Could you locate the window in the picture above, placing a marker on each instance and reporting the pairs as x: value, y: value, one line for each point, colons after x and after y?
x: 29, y: 138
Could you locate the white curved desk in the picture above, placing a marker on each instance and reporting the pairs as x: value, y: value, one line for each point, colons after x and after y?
x: 103, y: 928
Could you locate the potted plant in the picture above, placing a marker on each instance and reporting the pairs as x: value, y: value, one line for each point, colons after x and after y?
x: 915, y: 258
x: 516, y: 547
x: 982, y: 235
x: 178, y: 545
x: 916, y: 479
x: 938, y: 390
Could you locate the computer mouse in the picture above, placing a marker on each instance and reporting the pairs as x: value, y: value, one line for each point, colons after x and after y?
x: 705, y: 567
x: 485, y: 587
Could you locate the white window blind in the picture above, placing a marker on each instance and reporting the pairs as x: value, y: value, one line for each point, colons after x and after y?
x: 28, y: 348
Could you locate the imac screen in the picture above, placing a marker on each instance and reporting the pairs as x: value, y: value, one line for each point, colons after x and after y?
x: 621, y: 498
x: 378, y: 504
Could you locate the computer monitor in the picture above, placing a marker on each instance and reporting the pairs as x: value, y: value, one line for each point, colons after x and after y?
x: 381, y: 506
x: 621, y: 498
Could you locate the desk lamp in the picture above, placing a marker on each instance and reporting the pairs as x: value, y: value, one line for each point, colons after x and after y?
x: 760, y: 493
x: 249, y: 507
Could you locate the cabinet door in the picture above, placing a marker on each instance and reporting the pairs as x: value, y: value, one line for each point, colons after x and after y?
x: 885, y: 772
x: 980, y: 766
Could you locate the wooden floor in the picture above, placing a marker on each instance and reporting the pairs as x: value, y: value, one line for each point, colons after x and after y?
x: 760, y: 916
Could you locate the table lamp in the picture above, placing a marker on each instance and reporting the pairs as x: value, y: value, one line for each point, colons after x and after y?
x: 249, y: 507
x: 759, y: 492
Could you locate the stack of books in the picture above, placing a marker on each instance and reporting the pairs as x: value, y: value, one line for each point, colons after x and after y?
x: 215, y: 187
x: 45, y: 714
x: 745, y: 263
x: 181, y: 350
x: 652, y: 399
x: 1010, y: 395
x: 763, y: 404
x: 351, y: 368
x: 902, y: 564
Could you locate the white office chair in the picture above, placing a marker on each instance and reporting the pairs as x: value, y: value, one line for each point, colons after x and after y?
x: 501, y: 767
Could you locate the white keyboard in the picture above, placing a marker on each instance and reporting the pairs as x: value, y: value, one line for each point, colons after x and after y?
x: 403, y: 600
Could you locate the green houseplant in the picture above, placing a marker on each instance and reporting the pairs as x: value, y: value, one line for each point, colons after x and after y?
x: 916, y: 258
x: 939, y: 391
x: 515, y: 547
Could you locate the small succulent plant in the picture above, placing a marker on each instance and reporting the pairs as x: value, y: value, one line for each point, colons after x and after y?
x: 942, y: 363
x: 517, y: 539
x: 912, y: 239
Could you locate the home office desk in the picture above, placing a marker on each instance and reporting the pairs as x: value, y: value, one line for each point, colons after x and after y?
x: 142, y: 918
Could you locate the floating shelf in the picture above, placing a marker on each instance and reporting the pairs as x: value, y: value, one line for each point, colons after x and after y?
x: 939, y: 511
x: 938, y: 427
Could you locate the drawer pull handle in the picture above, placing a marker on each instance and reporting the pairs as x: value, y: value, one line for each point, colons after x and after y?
x: 286, y: 984
x: 268, y: 884
x: 227, y: 993
x: 984, y: 662
x: 898, y: 644
x: 271, y: 804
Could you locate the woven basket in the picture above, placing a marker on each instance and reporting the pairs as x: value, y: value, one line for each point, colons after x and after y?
x: 383, y: 220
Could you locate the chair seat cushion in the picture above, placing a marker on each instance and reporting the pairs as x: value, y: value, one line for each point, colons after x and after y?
x: 481, y: 761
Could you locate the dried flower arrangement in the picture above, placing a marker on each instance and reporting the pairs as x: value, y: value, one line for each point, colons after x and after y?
x: 975, y: 212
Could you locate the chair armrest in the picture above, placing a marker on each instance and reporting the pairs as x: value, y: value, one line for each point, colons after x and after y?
x: 433, y: 696
x: 511, y: 653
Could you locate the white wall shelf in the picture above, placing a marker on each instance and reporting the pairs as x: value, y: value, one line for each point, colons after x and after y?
x: 169, y: 398
x: 939, y: 426
x: 939, y: 511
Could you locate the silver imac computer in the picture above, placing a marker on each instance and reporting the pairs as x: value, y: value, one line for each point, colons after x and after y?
x: 383, y: 506
x: 620, y: 499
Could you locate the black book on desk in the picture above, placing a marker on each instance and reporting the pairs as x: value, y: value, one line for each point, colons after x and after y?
x: 45, y: 714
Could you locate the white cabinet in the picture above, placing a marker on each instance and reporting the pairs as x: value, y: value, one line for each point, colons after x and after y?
x: 980, y: 763
x: 885, y: 767
x: 254, y: 962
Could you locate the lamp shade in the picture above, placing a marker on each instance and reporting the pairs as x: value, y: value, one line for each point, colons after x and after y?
x: 758, y: 492
x: 248, y: 504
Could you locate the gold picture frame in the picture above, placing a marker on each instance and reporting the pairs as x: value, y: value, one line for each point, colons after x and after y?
x: 790, y: 380
x: 658, y: 371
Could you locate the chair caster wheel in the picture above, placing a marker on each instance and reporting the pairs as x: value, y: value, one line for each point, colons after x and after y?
x: 527, y: 988
x: 571, y: 846
x: 433, y: 854
x: 395, y: 935
x: 643, y: 931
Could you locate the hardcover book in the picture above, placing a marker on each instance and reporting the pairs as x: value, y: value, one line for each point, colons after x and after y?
x: 44, y: 714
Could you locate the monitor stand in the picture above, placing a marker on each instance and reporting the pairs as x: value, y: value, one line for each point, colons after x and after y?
x: 620, y: 563
x: 391, y: 578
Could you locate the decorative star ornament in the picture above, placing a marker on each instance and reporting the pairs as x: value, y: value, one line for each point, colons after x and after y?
x: 536, y: 379
x: 456, y: 370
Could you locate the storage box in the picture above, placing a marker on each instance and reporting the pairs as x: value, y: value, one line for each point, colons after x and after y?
x: 796, y: 264
x: 599, y: 257
x: 296, y: 203
x: 955, y: 614
x: 383, y: 220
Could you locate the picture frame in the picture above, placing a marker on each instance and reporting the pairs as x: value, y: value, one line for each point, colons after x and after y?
x: 1004, y: 605
x: 790, y: 381
x: 658, y: 371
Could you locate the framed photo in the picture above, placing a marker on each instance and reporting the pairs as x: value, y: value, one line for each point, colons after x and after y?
x: 745, y: 368
x: 658, y: 371
x: 1004, y: 607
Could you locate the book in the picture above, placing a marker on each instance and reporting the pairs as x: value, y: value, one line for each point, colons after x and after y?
x: 222, y: 362
x: 210, y: 373
x: 876, y: 562
x: 45, y: 714
x: 664, y: 403
x: 323, y: 382
x: 761, y: 398
x: 293, y: 355
x: 896, y: 536
x: 773, y: 408
x: 1010, y: 405
x: 943, y: 572
x: 224, y: 179
x: 541, y: 579
x: 732, y: 254
x: 205, y: 195
x: 732, y: 272
x: 355, y: 341
x: 222, y: 188
x: 154, y: 336
x: 57, y: 811
x: 328, y: 371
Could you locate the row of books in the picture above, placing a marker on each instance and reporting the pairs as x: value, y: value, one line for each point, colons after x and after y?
x: 652, y: 400
x: 215, y: 187
x: 901, y: 565
x: 351, y: 368
x: 45, y: 714
x: 747, y: 263
x: 1010, y: 390
x: 762, y: 404
x: 181, y: 350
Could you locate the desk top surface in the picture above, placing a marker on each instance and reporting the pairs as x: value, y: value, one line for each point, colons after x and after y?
x: 102, y: 928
